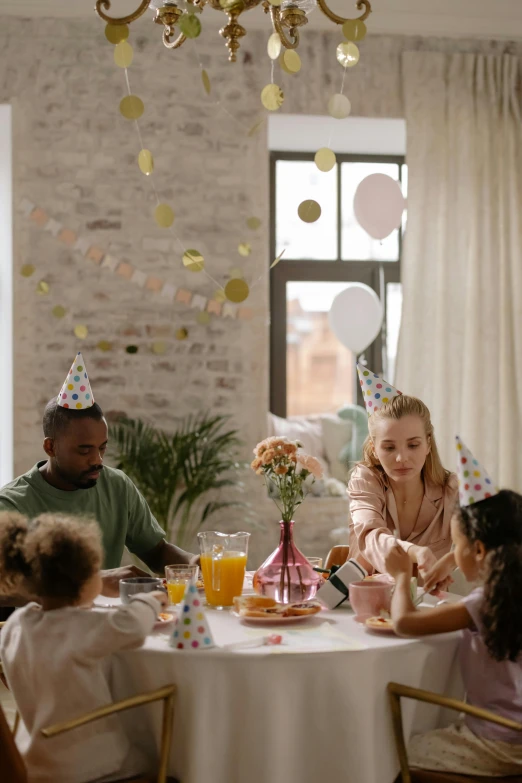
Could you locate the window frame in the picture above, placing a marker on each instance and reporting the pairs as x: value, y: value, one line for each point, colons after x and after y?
x: 376, y: 274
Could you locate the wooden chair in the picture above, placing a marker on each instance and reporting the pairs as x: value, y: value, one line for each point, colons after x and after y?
x: 12, y: 766
x: 395, y: 692
x: 338, y: 555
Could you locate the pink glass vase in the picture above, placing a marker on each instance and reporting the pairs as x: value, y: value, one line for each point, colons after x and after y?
x: 286, y: 575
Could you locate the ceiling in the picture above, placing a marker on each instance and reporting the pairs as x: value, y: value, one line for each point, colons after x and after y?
x: 452, y: 18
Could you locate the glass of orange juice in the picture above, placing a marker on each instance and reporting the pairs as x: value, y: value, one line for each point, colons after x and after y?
x: 178, y: 576
x: 223, y: 564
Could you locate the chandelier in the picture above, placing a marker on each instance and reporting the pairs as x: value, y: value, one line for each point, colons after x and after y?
x: 179, y: 20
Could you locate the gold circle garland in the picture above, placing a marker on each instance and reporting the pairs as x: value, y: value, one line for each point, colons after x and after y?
x: 272, y: 97
x: 325, y: 159
x: 339, y: 106
x: 131, y: 107
x: 347, y: 54
x: 164, y: 215
x: 237, y: 290
x: 193, y: 260
x: 354, y: 30
x: 116, y: 33
x: 309, y: 211
x: 146, y: 162
x: 123, y: 54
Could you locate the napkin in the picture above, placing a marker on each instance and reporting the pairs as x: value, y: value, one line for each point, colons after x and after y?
x: 191, y: 629
x: 334, y: 591
x: 76, y: 392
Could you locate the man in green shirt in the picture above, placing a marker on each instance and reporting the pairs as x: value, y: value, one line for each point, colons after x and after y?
x: 74, y: 481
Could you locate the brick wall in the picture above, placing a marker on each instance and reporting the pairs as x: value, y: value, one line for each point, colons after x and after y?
x: 75, y: 156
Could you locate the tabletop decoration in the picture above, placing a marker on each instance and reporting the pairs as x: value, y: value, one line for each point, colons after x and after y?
x: 191, y: 629
x: 289, y: 473
x: 334, y: 591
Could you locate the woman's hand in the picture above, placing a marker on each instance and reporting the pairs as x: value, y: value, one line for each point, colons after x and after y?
x: 424, y: 558
x: 439, y: 576
x: 398, y: 562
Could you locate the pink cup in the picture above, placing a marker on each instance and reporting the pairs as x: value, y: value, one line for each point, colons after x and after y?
x: 368, y: 598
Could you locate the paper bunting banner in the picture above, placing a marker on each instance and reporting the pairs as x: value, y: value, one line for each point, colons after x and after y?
x: 123, y: 269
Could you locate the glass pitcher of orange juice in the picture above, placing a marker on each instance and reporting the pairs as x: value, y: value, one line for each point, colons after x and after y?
x: 223, y: 564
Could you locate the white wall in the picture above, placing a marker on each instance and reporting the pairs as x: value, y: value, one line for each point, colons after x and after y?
x: 6, y: 298
x: 356, y: 135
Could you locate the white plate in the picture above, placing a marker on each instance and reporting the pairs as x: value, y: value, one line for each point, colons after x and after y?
x: 160, y: 623
x: 274, y: 620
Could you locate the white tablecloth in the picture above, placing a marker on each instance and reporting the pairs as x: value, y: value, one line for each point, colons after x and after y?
x: 266, y: 716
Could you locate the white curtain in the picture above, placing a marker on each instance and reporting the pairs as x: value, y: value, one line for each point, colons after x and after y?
x: 460, y: 346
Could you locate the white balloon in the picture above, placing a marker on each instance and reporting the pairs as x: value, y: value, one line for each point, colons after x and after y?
x: 378, y: 205
x: 356, y: 316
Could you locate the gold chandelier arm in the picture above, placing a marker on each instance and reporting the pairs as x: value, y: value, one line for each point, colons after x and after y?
x: 276, y: 24
x: 340, y: 19
x: 172, y: 44
x: 124, y: 19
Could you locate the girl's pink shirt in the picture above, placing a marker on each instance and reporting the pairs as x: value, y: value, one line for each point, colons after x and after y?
x: 374, y: 518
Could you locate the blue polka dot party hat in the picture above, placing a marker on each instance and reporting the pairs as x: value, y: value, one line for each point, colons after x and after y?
x: 375, y: 390
x: 76, y: 392
x: 474, y: 482
x: 192, y: 631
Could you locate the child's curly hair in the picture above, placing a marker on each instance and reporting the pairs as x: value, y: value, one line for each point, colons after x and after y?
x: 50, y: 556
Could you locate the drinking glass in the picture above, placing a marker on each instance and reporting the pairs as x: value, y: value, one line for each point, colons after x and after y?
x: 223, y: 564
x: 178, y: 576
x: 315, y: 562
x: 138, y: 584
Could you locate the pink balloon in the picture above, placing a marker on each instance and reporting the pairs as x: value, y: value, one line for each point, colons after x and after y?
x: 378, y: 205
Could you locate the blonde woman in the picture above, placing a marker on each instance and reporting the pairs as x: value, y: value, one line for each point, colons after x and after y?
x: 400, y: 490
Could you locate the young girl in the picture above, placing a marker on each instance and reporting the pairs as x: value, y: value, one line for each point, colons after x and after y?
x: 487, y: 536
x: 400, y: 489
x: 55, y: 650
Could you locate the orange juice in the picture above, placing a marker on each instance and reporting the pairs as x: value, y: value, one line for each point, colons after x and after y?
x: 223, y: 577
x: 176, y: 591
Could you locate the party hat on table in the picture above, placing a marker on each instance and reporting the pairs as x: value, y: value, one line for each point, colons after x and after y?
x: 376, y: 391
x: 192, y: 631
x: 474, y: 482
x: 76, y: 392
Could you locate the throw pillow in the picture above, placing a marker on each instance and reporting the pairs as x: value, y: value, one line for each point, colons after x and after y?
x: 306, y: 429
x: 336, y: 434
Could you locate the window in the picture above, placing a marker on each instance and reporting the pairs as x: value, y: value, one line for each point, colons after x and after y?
x: 311, y: 372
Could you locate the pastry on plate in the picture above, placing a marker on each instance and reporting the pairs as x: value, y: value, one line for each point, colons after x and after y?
x: 307, y: 607
x: 380, y: 623
x: 253, y: 602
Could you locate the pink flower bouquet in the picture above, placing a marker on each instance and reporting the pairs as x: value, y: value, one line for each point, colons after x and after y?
x: 289, y: 470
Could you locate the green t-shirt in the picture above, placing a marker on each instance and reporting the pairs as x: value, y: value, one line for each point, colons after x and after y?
x: 115, y: 502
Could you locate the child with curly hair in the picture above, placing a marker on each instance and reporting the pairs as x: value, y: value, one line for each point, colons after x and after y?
x: 55, y: 651
x: 487, y: 539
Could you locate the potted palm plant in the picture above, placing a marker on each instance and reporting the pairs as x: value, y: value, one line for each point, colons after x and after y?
x: 181, y: 475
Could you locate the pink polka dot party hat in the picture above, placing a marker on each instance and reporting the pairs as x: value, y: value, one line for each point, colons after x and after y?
x: 375, y: 390
x: 76, y: 392
x: 192, y: 631
x: 474, y: 482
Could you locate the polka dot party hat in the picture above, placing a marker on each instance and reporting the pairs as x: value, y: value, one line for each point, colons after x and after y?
x: 192, y: 631
x: 375, y: 390
x: 474, y: 482
x: 76, y: 392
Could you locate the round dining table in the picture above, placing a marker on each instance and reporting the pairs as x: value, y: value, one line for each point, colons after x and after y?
x: 311, y: 709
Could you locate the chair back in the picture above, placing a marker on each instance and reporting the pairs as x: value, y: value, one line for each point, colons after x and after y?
x: 12, y: 767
